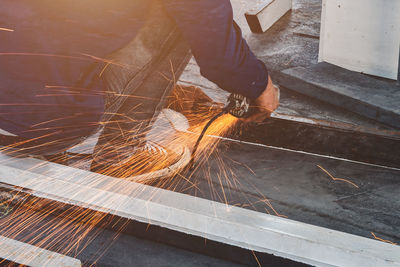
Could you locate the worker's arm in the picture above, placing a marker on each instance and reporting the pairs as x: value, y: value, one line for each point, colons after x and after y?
x: 218, y: 47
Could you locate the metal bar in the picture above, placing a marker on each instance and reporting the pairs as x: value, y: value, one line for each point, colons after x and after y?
x: 22, y: 253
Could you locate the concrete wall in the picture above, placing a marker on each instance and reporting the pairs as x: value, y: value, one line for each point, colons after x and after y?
x: 362, y: 35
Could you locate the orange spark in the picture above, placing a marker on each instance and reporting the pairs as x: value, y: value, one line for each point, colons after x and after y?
x: 6, y: 30
x: 44, y: 55
x: 82, y: 56
x: 383, y: 240
x: 338, y: 179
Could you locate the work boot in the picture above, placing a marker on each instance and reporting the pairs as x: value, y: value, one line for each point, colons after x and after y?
x: 161, y: 153
x: 153, y: 61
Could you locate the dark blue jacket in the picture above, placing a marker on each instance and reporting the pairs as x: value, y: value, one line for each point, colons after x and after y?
x: 48, y: 53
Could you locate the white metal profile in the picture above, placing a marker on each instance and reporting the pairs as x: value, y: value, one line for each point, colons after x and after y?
x: 362, y: 36
x: 29, y: 255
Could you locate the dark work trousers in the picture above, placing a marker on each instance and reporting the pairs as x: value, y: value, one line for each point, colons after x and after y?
x: 137, y: 80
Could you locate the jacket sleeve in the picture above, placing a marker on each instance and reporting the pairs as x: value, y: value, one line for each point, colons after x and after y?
x: 218, y: 46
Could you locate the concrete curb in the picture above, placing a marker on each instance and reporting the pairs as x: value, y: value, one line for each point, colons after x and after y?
x: 372, y: 98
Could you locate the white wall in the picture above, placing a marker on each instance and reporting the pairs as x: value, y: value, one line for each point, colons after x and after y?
x: 362, y: 35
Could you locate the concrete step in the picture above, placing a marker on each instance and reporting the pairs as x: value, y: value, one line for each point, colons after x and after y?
x: 328, y: 138
x: 373, y: 98
x: 305, y: 124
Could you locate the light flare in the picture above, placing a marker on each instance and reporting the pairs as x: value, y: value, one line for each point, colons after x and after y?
x: 6, y: 29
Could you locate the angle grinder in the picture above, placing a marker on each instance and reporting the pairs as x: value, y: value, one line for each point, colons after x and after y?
x: 238, y: 106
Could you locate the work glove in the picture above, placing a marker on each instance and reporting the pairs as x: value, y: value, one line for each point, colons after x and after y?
x: 266, y: 103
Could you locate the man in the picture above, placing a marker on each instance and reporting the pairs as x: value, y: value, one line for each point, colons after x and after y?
x: 68, y: 66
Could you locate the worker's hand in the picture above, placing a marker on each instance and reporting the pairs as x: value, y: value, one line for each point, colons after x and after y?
x: 266, y: 103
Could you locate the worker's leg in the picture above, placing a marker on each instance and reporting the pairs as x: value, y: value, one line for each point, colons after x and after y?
x: 144, y: 75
